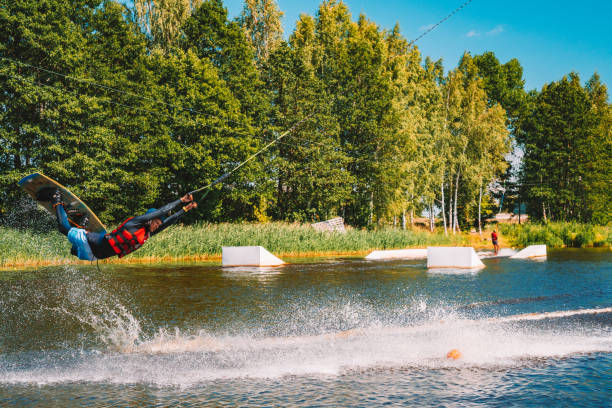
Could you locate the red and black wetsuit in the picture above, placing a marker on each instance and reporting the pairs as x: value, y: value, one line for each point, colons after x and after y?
x: 136, y: 227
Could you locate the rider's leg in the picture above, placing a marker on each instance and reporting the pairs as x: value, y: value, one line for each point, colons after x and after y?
x: 62, y: 218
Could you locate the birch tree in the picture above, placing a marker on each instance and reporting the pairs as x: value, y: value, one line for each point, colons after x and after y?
x: 261, y: 20
x: 478, y: 138
x: 161, y: 20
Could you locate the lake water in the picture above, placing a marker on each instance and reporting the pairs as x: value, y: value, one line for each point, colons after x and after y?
x: 331, y: 332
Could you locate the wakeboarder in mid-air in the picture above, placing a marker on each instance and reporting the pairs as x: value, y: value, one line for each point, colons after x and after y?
x: 126, y: 238
x: 89, y: 239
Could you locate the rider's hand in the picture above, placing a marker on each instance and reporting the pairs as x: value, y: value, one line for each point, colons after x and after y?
x: 187, y: 198
x: 191, y: 206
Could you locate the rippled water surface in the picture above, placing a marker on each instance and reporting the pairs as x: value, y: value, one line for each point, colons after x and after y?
x: 331, y: 332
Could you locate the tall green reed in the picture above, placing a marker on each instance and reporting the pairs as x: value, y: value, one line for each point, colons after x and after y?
x: 558, y: 234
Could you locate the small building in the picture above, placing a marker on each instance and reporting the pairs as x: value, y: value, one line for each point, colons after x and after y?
x: 335, y: 224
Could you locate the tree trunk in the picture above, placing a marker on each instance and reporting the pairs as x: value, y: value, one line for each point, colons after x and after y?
x: 404, y: 220
x: 519, y: 206
x: 371, y: 217
x: 456, y: 220
x: 450, y: 203
x: 479, y: 208
x: 443, y: 213
x: 412, y: 210
x: 432, y: 220
x: 16, y: 156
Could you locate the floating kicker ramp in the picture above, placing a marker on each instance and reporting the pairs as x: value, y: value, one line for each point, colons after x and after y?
x: 249, y: 256
x: 453, y: 257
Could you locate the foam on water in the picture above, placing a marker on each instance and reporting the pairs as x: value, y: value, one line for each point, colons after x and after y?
x: 454, y: 271
x: 503, y: 253
x: 310, y: 338
x: 183, y: 358
x: 485, y: 341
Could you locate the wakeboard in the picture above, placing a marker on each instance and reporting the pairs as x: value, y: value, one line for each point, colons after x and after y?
x: 79, y: 215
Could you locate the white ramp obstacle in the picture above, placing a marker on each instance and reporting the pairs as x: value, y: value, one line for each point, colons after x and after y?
x: 249, y: 256
x: 453, y: 257
x: 532, y: 251
x: 397, y: 254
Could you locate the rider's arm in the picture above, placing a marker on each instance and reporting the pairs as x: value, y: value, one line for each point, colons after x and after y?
x: 169, y: 221
x: 141, y: 220
x: 159, y: 213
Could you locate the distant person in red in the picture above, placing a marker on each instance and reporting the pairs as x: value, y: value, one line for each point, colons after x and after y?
x: 494, y: 239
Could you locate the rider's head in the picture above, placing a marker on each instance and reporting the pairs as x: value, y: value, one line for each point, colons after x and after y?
x: 155, y: 223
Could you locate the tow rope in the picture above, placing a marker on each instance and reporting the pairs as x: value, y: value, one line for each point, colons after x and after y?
x: 263, y: 149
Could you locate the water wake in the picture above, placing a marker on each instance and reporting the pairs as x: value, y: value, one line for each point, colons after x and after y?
x: 311, y: 336
x: 183, y: 359
x: 308, y: 339
x: 467, y: 333
x: 550, y: 315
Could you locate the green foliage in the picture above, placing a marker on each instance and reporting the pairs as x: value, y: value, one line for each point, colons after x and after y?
x: 503, y: 83
x: 261, y: 20
x: 311, y: 168
x: 568, y: 152
x: 477, y: 139
x: 125, y: 151
x: 161, y: 20
x: 504, y: 86
x: 131, y: 107
x: 281, y: 238
x: 558, y: 234
x: 213, y: 37
x: 36, y: 107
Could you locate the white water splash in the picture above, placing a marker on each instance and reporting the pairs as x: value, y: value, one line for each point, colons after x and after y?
x: 185, y: 358
x: 309, y: 339
x: 118, y: 329
x: 503, y: 253
x: 469, y: 334
x: 203, y: 356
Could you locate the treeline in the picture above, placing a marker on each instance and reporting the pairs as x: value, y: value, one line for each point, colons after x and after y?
x: 131, y: 106
x: 566, y: 132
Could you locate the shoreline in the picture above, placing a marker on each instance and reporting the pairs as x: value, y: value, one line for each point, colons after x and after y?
x: 217, y: 258
x: 203, y: 242
x: 171, y: 259
x: 202, y: 258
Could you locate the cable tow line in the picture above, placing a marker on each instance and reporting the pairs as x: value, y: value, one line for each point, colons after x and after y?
x: 263, y: 149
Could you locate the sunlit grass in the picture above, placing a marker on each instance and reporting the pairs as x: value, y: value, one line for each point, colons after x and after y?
x: 559, y: 234
x: 25, y: 247
x: 284, y: 239
x: 204, y: 241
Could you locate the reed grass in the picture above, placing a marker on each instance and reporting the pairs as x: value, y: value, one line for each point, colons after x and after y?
x: 558, y: 234
x: 205, y: 240
x: 284, y: 239
x: 25, y: 247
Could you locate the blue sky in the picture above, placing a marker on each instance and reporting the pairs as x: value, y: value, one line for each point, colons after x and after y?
x: 549, y: 38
